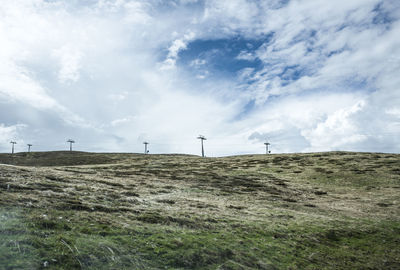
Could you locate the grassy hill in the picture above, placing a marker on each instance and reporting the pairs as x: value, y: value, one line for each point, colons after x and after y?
x: 76, y: 210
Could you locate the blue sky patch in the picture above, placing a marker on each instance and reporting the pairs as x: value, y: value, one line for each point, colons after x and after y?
x: 221, y: 56
x: 382, y: 16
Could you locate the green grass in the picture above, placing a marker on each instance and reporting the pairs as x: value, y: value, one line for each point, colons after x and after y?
x: 121, y: 211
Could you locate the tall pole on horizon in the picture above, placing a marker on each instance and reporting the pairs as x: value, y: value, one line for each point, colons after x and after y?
x: 12, y: 148
x: 70, y: 141
x: 29, y: 147
x: 202, y: 138
x: 267, y: 151
x: 145, y: 147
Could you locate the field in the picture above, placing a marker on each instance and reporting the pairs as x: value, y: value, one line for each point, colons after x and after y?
x: 77, y: 210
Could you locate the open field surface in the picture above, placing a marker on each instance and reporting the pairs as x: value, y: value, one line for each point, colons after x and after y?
x: 76, y: 210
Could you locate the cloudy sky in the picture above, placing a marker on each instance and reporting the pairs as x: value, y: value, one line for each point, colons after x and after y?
x: 306, y: 75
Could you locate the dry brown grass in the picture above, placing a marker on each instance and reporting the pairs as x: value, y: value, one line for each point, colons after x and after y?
x: 338, y: 191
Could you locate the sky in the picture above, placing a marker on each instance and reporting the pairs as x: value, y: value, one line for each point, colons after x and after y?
x: 304, y: 75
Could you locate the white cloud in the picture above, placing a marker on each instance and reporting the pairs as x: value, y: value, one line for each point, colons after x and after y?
x: 244, y: 55
x: 118, y: 97
x: 231, y: 16
x: 106, y: 72
x: 173, y: 51
x: 198, y: 63
x: 69, y: 60
x: 121, y: 121
x: 294, y: 124
x: 17, y: 86
x: 393, y: 111
x: 337, y: 131
x: 10, y: 133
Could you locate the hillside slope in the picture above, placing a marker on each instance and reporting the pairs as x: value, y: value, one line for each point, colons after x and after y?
x: 75, y: 210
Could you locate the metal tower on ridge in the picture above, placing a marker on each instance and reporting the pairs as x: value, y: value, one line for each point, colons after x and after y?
x: 12, y: 148
x: 267, y: 151
x: 202, y: 138
x: 29, y: 147
x: 145, y: 147
x: 70, y: 141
